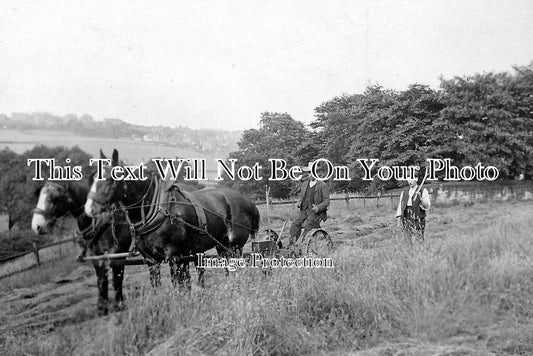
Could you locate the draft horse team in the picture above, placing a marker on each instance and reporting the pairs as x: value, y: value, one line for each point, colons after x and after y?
x: 161, y: 220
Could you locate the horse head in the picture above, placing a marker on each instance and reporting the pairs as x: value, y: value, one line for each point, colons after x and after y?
x: 54, y: 201
x: 104, y: 189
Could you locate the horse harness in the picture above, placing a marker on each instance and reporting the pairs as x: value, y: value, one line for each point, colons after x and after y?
x: 160, y: 209
x: 87, y: 234
x: 50, y: 214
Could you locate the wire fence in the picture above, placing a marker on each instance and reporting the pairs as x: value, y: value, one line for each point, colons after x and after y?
x: 376, y: 200
x: 24, y: 261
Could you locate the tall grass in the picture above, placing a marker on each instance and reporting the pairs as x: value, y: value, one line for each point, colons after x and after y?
x: 457, y: 286
x: 46, y: 272
x: 20, y: 241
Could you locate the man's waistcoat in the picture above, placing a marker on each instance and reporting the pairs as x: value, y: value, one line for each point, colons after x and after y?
x: 417, y: 210
x: 320, y: 197
x: 309, y: 198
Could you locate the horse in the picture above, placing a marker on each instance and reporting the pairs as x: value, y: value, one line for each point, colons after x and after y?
x: 57, y: 199
x: 172, y: 223
x: 110, y: 233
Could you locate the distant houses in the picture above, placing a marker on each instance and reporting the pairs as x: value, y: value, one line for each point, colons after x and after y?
x: 204, y: 140
x: 199, y: 140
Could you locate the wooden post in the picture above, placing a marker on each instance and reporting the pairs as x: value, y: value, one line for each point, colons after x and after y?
x: 36, y: 253
x: 392, y: 201
x: 347, y: 200
x: 267, y: 191
x: 292, y: 204
x: 364, y: 200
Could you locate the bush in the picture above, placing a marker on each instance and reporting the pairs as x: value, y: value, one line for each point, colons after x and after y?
x: 19, y: 241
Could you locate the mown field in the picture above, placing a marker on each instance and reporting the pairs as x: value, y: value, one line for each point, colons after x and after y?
x: 467, y: 291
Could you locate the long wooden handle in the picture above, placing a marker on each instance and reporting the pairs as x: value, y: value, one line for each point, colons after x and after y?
x: 421, y: 184
x: 281, y: 232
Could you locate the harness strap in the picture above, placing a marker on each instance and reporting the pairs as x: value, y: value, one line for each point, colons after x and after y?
x: 155, y: 200
x: 133, y: 231
x: 46, y: 214
x: 153, y: 219
x: 88, y: 233
x: 143, y: 216
x: 162, y: 200
x: 200, y: 212
x: 96, y: 197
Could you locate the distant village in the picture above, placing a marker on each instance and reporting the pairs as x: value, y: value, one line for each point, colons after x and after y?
x: 203, y: 140
x: 199, y: 140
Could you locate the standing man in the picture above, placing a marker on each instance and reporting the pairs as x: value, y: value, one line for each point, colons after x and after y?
x: 412, y: 208
x: 314, y: 202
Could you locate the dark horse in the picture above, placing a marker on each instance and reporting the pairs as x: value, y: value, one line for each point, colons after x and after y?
x: 57, y: 199
x: 106, y: 234
x: 171, y: 223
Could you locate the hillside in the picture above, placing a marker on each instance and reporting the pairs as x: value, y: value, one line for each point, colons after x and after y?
x: 202, y: 139
x: 131, y: 151
x: 466, y: 292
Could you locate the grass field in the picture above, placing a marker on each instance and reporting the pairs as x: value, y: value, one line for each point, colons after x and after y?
x: 467, y: 291
x: 4, y: 223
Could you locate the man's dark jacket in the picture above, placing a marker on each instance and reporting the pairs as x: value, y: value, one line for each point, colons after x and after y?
x: 321, y: 197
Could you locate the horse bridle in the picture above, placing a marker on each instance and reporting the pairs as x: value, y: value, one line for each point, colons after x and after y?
x: 106, y: 204
x: 50, y: 214
x: 98, y: 197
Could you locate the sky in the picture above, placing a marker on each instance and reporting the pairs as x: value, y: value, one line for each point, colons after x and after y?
x: 220, y: 64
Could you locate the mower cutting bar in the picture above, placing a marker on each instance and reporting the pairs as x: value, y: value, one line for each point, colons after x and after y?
x: 109, y: 256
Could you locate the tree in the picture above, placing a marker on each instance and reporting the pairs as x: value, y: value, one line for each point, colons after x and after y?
x: 492, y: 116
x: 483, y: 118
x: 16, y: 185
x: 278, y: 136
x: 12, y: 186
x: 395, y: 127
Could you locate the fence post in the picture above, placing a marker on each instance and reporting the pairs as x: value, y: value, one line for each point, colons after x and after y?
x: 391, y: 201
x: 347, y: 200
x: 364, y: 200
x: 267, y: 191
x: 36, y: 253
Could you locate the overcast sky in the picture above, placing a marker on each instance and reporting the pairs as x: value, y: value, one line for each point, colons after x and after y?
x: 219, y: 64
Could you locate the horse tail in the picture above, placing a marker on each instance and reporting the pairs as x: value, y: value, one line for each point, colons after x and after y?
x: 251, y: 211
x: 229, y: 224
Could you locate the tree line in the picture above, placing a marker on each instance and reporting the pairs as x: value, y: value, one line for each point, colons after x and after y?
x: 18, y: 190
x: 86, y: 125
x: 485, y: 118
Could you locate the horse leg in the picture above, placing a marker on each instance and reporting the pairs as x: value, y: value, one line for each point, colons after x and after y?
x: 201, y: 271
x: 179, y: 272
x: 184, y: 277
x: 224, y: 253
x: 237, y: 251
x: 173, y: 266
x: 155, y: 274
x: 102, y: 282
x: 201, y: 277
x: 118, y: 278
